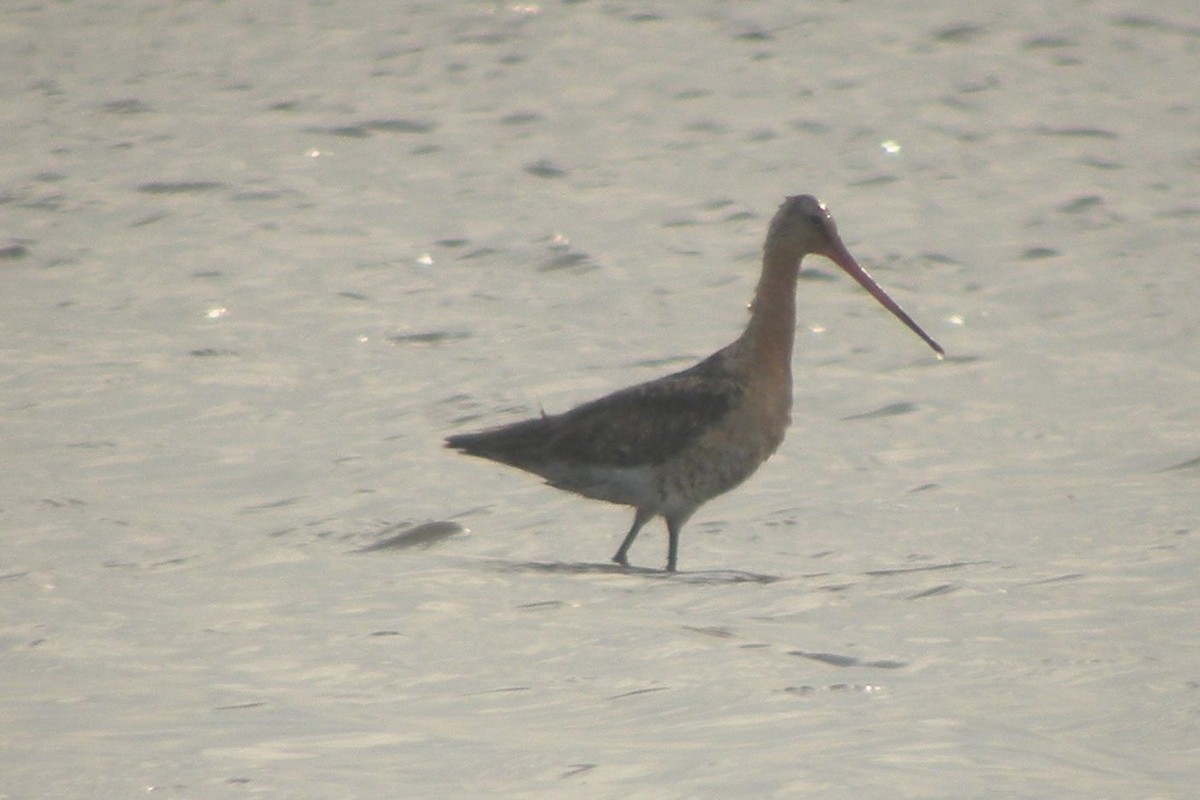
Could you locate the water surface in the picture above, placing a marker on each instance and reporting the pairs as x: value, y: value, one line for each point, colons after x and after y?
x: 261, y: 257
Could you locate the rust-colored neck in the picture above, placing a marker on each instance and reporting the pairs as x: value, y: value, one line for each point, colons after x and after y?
x: 772, y: 330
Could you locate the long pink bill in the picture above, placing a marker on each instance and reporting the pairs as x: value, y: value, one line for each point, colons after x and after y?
x: 838, y: 253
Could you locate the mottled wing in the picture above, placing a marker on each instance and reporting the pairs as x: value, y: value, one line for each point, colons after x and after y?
x: 645, y: 424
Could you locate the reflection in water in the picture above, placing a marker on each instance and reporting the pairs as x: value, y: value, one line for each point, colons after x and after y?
x: 423, y: 536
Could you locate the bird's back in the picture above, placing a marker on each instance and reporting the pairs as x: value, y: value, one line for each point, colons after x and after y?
x: 640, y: 446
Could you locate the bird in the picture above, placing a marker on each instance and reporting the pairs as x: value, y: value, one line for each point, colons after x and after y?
x: 669, y: 445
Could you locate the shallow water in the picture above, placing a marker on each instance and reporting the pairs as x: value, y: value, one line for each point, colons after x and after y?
x: 261, y: 257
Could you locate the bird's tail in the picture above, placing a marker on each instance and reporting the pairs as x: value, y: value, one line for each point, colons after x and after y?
x: 519, y: 444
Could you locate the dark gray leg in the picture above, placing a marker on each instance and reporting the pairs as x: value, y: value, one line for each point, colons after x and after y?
x: 673, y: 529
x: 640, y: 518
x: 675, y: 524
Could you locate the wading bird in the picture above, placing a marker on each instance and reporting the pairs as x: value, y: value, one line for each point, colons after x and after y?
x: 667, y: 446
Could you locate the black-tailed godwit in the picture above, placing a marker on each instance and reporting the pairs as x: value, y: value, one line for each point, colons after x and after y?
x: 667, y: 446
